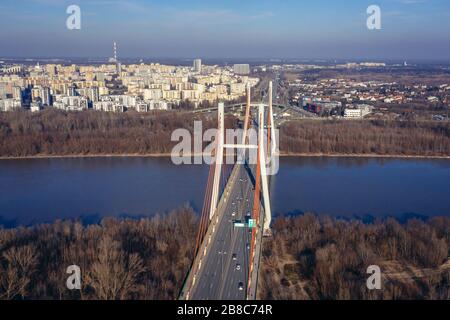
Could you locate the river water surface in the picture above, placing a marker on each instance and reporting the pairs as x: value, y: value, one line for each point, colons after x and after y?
x: 43, y: 190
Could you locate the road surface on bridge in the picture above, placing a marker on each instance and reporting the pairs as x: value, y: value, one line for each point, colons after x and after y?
x: 226, y: 264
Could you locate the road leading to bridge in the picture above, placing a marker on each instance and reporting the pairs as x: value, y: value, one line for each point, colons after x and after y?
x: 224, y: 271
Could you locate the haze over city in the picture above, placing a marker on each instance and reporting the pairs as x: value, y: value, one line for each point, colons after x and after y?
x: 324, y: 29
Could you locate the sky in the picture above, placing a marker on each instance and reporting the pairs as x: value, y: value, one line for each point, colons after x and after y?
x: 303, y: 29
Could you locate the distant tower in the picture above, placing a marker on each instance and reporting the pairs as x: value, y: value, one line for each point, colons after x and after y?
x: 115, y: 52
x: 116, y: 60
x: 198, y: 65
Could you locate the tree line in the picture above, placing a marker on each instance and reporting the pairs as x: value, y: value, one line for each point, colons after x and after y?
x: 308, y: 257
x: 54, y: 132
x: 380, y: 137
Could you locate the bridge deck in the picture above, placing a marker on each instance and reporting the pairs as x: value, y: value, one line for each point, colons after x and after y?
x: 226, y: 262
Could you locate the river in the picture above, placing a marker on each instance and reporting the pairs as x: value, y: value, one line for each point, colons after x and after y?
x: 44, y: 190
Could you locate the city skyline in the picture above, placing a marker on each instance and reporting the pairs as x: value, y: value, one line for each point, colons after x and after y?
x: 411, y: 29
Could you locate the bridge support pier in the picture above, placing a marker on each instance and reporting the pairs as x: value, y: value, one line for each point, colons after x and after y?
x: 219, y: 160
x: 265, y: 158
x: 264, y: 182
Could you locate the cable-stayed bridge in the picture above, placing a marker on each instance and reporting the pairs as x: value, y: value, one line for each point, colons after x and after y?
x: 236, y: 217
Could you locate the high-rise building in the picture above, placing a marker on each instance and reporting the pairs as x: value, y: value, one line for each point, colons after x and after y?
x: 93, y: 93
x: 198, y: 65
x: 100, y: 76
x: 72, y: 91
x: 51, y: 69
x: 42, y: 95
x: 17, y: 93
x: 241, y: 69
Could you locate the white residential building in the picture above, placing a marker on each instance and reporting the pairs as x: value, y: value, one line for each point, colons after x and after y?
x: 10, y: 104
x: 71, y: 103
x: 108, y: 106
x: 241, y: 69
x: 359, y: 112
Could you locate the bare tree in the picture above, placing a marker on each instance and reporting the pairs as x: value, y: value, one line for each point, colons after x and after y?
x: 16, y: 276
x: 114, y: 274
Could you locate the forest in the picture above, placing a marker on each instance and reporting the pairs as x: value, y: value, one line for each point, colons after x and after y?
x: 119, y: 259
x: 308, y: 257
x: 368, y: 137
x: 54, y: 132
x: 58, y: 133
x: 312, y: 257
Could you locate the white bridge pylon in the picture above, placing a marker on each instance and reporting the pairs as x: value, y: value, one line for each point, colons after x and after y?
x: 264, y: 158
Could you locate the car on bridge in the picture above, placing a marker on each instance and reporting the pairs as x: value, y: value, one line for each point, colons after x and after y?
x: 241, y: 286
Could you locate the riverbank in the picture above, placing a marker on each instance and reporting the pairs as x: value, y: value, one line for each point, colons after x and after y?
x: 336, y: 155
x: 59, y: 134
x: 307, y: 258
x: 168, y: 155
